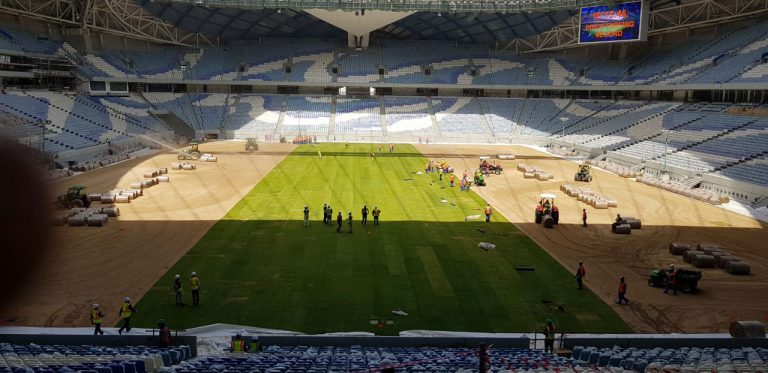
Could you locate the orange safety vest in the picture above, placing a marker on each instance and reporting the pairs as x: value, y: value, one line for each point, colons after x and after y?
x: 96, y: 317
x: 238, y: 345
x: 452, y: 178
x: 487, y: 210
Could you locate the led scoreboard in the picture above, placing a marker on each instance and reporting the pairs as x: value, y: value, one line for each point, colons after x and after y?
x: 614, y: 23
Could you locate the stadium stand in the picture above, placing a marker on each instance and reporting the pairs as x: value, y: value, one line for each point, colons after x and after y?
x: 85, y: 358
x: 307, y: 115
x: 358, y: 116
x: 252, y: 115
x: 357, y: 358
x: 685, y: 359
x: 408, y: 116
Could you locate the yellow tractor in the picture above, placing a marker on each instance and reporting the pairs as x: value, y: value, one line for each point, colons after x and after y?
x: 190, y: 153
x: 583, y: 174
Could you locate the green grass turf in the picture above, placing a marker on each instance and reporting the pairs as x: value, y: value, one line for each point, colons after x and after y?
x: 260, y: 266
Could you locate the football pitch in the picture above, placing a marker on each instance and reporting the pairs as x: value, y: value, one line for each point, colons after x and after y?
x: 259, y: 266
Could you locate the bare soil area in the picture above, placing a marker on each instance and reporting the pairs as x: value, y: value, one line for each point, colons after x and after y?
x: 86, y: 265
x: 667, y: 217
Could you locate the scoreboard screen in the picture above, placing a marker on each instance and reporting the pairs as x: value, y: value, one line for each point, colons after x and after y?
x: 613, y: 23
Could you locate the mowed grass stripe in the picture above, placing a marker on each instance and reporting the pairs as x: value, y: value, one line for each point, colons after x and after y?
x: 259, y: 266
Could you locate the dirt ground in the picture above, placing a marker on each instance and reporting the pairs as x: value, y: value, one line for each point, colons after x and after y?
x: 124, y: 258
x: 666, y: 218
x: 102, y: 265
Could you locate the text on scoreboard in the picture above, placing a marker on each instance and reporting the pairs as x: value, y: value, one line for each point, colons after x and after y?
x: 613, y: 23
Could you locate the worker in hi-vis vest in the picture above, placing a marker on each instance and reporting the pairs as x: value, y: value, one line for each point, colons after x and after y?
x: 96, y: 319
x: 194, y: 285
x: 126, y: 310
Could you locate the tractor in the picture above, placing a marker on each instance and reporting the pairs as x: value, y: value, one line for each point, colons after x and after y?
x: 479, y: 178
x: 547, y: 213
x: 488, y: 168
x: 75, y: 197
x: 686, y: 280
x: 583, y: 174
x: 251, y: 145
x: 190, y: 153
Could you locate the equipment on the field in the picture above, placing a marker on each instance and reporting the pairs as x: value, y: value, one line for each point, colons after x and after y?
x: 191, y: 153
x: 488, y: 168
x: 547, y: 213
x: 583, y: 174
x: 75, y: 197
x: 686, y: 280
x: 479, y: 179
x: 251, y: 145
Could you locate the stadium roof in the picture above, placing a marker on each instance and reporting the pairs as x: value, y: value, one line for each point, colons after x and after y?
x: 465, y: 21
x: 234, y: 24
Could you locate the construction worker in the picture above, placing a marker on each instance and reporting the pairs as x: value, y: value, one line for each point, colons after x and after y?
x: 306, y: 216
x: 238, y: 344
x: 349, y: 220
x: 164, y: 333
x: 339, y: 219
x: 622, y: 291
x: 364, y: 212
x: 426, y: 168
x: 325, y: 213
x: 373, y: 156
x: 330, y: 215
x: 488, y: 212
x: 452, y: 178
x: 671, y: 280
x: 376, y: 212
x: 96, y: 319
x: 616, y: 222
x: 319, y: 154
x: 580, y: 273
x: 126, y: 310
x: 440, y: 172
x: 194, y: 285
x: 177, y: 289
x: 549, y: 337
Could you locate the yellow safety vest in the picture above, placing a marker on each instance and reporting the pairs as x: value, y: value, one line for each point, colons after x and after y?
x: 238, y: 345
x: 125, y: 310
x: 194, y: 283
x: 96, y: 317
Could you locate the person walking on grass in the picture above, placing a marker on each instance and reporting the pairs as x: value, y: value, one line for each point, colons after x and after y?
x: 325, y: 213
x: 194, y: 285
x: 376, y: 212
x: 622, y: 292
x: 452, y: 179
x: 580, y: 273
x: 330, y: 215
x: 126, y: 310
x: 177, y: 289
x: 349, y: 220
x: 364, y: 212
x: 306, y: 216
x: 488, y: 213
x: 97, y: 317
x: 339, y: 219
x: 584, y: 218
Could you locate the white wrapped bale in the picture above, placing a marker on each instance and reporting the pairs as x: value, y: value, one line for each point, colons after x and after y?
x: 137, y: 185
x: 122, y: 199
x: 737, y: 268
x: 107, y: 198
x: 690, y: 254
x: 175, y: 166
x: 529, y: 175
x: 94, y: 197
x: 703, y: 261
x: 522, y: 167
x: 188, y: 166
x: 111, y: 212
x: 138, y: 192
x: 97, y: 220
x: 163, y: 179
x: 601, y: 205
x: 163, y: 171
x: 76, y: 221
x: 676, y: 248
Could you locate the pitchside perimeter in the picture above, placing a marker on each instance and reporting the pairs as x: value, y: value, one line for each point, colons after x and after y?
x: 259, y: 266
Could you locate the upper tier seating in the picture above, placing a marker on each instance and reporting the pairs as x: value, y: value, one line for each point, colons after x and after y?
x: 307, y: 114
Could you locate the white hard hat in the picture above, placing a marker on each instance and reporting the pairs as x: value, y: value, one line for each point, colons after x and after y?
x: 178, y: 276
x: 194, y: 273
x: 95, y: 305
x: 126, y: 299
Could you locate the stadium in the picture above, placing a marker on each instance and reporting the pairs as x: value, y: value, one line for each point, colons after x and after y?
x: 394, y: 186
